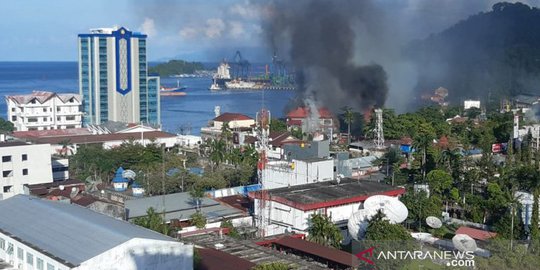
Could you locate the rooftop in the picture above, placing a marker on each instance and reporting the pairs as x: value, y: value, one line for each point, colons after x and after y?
x: 314, y: 249
x: 228, y: 117
x: 476, y: 233
x: 12, y: 143
x: 329, y: 193
x: 64, y: 231
x: 179, y: 206
x: 302, y: 112
x: 101, y: 138
x: 212, y: 259
x: 43, y: 96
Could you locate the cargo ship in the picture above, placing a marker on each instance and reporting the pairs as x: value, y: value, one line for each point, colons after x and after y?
x: 223, y: 74
x: 173, y: 91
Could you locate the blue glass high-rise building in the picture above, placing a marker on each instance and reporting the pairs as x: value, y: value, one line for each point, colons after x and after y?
x: 113, y: 78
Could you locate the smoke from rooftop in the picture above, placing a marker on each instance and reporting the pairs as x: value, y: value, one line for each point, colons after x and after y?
x: 319, y: 41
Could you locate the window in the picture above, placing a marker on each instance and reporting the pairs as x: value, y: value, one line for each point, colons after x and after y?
x: 6, y: 159
x: 20, y: 254
x: 32, y: 120
x: 9, y: 250
x: 57, y: 109
x: 2, y: 244
x: 70, y: 118
x: 44, y: 109
x: 13, y: 109
x: 7, y: 173
x: 50, y: 266
x: 24, y: 157
x: 14, y: 118
x: 7, y: 189
x: 24, y: 171
x: 29, y: 258
x: 39, y: 264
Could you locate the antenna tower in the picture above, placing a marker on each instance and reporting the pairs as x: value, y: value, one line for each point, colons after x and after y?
x: 379, y: 133
x: 263, y: 130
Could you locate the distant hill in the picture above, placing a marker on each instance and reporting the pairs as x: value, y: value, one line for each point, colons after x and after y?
x: 175, y: 67
x: 496, y: 53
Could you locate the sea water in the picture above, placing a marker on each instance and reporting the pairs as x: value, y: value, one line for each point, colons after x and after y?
x: 179, y: 114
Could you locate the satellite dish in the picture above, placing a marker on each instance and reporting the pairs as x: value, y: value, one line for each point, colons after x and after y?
x: 91, y: 184
x: 61, y: 187
x: 358, y: 223
x: 129, y: 174
x: 394, y: 210
x: 74, y: 192
x: 463, y: 242
x: 433, y: 222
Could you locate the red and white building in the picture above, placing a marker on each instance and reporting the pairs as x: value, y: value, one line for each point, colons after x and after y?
x: 323, y: 121
x: 288, y: 209
x: 236, y: 122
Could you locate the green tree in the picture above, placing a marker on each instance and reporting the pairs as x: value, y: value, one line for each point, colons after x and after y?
x: 6, y: 126
x: 277, y: 125
x: 420, y: 206
x: 439, y: 181
x: 423, y: 140
x: 197, y: 193
x: 534, y: 231
x: 233, y: 232
x: 218, y: 152
x: 153, y: 221
x: 198, y: 220
x: 323, y: 231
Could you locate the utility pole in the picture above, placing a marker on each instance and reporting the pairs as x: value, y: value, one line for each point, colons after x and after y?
x: 512, y: 227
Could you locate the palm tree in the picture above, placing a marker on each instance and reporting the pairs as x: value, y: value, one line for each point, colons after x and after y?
x: 218, y: 151
x: 323, y: 231
x: 349, y: 119
x: 196, y: 194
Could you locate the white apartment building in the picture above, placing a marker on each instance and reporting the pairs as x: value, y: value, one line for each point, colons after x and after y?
x: 51, y: 235
x: 42, y: 110
x: 21, y: 164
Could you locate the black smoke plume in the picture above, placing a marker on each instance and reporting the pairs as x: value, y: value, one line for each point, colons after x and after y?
x: 319, y: 41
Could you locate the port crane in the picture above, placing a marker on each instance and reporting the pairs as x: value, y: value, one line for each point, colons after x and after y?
x: 241, y: 66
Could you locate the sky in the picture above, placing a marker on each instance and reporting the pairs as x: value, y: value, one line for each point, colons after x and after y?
x: 37, y: 30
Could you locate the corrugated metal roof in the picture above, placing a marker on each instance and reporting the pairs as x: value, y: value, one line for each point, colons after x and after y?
x: 70, y: 233
x: 178, y: 206
x: 173, y: 202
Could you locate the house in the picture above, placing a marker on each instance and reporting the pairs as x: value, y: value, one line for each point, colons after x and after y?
x: 42, y: 110
x: 21, y: 164
x: 236, y: 122
x: 525, y: 102
x: 288, y: 208
x: 303, y: 118
x: 476, y: 234
x: 44, y: 234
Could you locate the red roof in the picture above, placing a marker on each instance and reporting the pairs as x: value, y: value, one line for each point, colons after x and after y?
x: 314, y: 249
x: 228, y: 117
x: 51, y: 133
x: 212, y: 259
x: 302, y: 112
x: 237, y: 201
x: 476, y: 233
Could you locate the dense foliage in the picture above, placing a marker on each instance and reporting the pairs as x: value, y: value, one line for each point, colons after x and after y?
x: 175, y: 67
x: 323, y: 231
x: 489, y: 55
x: 153, y: 221
x: 6, y: 126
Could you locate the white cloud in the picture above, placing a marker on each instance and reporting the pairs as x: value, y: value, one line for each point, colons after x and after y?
x: 148, y: 27
x: 245, y: 10
x: 214, y: 27
x: 236, y: 29
x: 188, y: 32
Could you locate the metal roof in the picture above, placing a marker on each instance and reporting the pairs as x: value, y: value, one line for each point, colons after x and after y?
x: 69, y: 233
x: 178, y: 206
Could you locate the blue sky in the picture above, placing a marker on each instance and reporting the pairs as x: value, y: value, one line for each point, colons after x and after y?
x: 38, y: 30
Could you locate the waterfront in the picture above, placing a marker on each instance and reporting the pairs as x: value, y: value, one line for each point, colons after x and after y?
x: 188, y: 113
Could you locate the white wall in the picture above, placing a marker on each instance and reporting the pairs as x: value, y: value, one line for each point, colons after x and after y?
x: 235, y: 124
x: 279, y: 174
x: 137, y: 254
x: 15, y: 261
x: 468, y: 104
x: 38, y: 164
